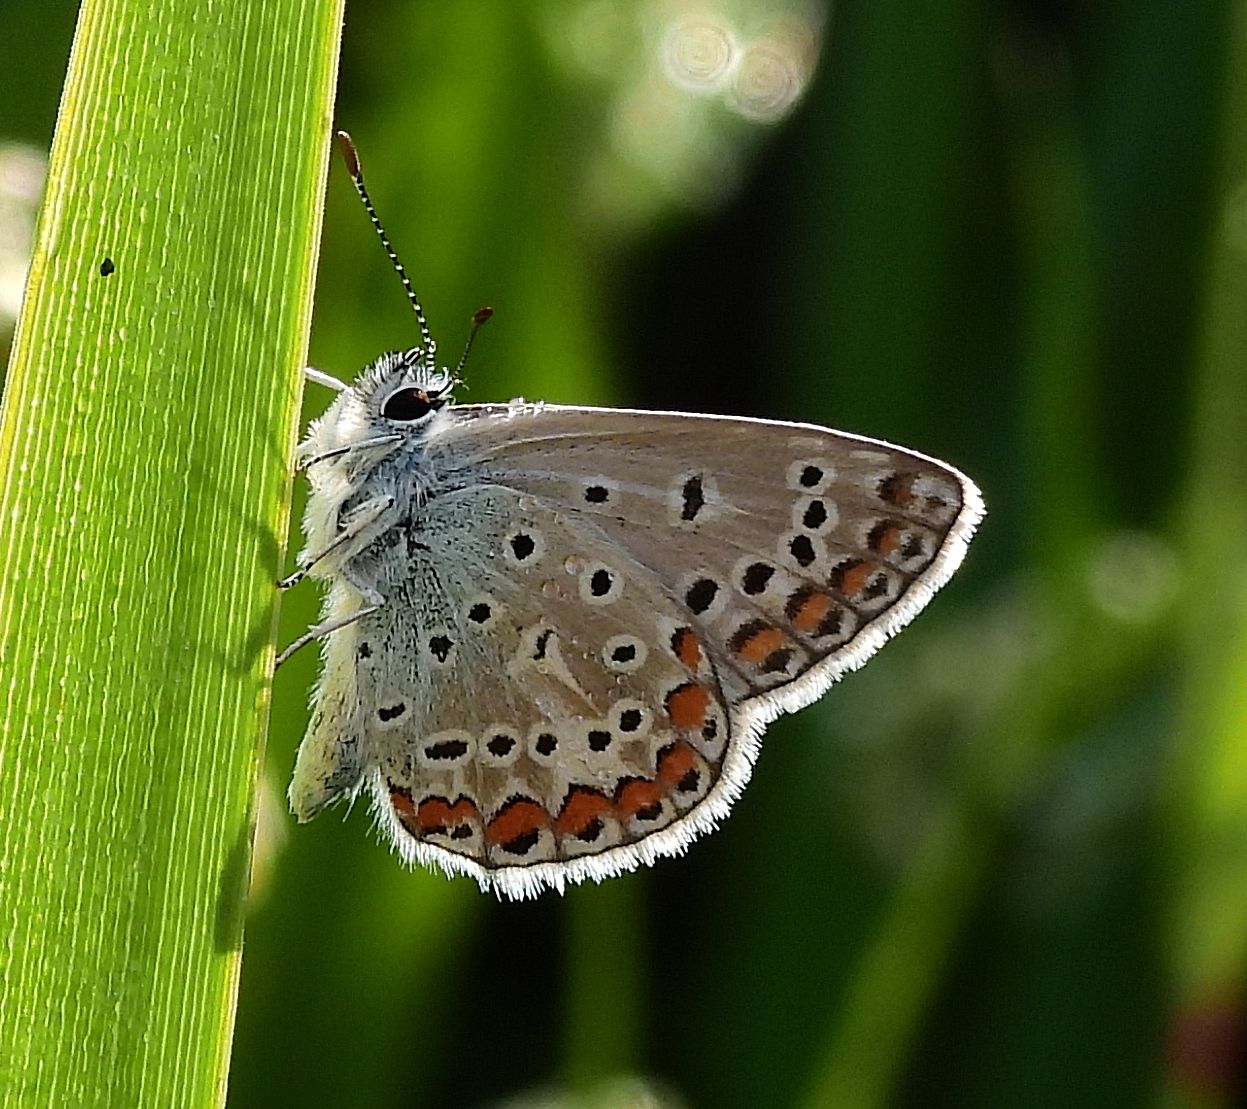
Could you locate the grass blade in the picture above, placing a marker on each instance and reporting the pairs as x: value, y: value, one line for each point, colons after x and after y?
x: 144, y: 445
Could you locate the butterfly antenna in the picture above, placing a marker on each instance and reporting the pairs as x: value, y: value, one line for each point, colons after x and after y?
x: 478, y: 318
x: 351, y: 157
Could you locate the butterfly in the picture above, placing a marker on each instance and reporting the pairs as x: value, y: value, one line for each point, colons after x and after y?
x: 553, y: 636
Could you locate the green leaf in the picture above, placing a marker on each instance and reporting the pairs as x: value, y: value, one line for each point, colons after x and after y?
x: 144, y: 491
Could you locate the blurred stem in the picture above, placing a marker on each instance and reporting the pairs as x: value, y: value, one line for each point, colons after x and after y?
x: 869, y: 1048
x: 1207, y: 817
x: 603, y: 948
x: 902, y: 967
x: 1063, y: 511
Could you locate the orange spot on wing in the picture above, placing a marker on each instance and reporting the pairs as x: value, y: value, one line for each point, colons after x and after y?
x: 674, y: 762
x: 898, y: 489
x: 517, y: 818
x: 637, y: 795
x: 582, y: 807
x: 686, y: 705
x: 809, y: 613
x: 687, y: 648
x: 851, y: 576
x: 886, y: 539
x: 433, y: 814
x: 436, y: 814
x: 756, y: 647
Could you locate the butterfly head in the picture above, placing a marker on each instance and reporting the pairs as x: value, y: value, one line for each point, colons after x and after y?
x: 393, y: 402
x: 401, y: 390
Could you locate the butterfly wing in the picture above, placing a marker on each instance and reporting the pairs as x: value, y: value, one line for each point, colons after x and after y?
x: 797, y: 550
x: 544, y: 709
x: 596, y: 614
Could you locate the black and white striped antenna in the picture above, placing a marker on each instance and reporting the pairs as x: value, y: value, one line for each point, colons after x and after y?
x: 351, y: 156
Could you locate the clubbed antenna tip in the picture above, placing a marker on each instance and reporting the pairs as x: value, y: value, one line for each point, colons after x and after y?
x: 478, y: 318
x: 351, y: 157
x: 349, y: 154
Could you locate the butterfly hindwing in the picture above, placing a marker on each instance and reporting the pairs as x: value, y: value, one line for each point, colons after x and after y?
x: 544, y: 708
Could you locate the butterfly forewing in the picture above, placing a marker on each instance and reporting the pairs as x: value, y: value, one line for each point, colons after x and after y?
x: 794, y: 547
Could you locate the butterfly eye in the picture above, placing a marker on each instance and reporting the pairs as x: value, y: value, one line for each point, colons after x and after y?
x: 406, y: 405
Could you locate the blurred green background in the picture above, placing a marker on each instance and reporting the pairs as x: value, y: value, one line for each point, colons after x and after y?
x: 1006, y: 865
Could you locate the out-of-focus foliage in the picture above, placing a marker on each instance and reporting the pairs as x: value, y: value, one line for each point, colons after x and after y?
x: 1004, y: 864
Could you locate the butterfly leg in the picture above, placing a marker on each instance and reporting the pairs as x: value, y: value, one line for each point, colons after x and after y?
x: 319, y: 631
x: 362, y: 444
x: 365, y: 516
x: 322, y: 378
